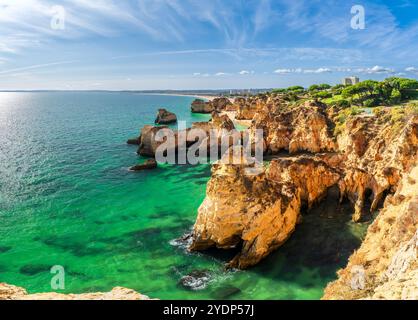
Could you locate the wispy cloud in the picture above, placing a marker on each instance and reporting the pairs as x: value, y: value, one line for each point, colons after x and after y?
x: 36, y: 66
x: 376, y: 70
x: 300, y: 70
x: 412, y: 70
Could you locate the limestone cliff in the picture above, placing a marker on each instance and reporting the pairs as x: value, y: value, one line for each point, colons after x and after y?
x: 251, y: 211
x: 217, y: 105
x: 302, y: 128
x: 386, y: 265
x: 148, y: 142
x: 365, y: 162
x: 9, y: 292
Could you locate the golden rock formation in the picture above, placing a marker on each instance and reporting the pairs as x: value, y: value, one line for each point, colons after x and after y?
x: 9, y: 292
x: 366, y: 162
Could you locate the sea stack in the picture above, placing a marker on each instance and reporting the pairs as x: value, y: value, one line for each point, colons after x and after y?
x: 165, y: 117
x: 147, y: 165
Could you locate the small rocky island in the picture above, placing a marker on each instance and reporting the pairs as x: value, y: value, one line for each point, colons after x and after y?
x: 165, y: 117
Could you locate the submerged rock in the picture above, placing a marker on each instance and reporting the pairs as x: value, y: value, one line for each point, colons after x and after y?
x: 165, y: 117
x: 147, y: 165
x: 226, y: 292
x: 196, y: 280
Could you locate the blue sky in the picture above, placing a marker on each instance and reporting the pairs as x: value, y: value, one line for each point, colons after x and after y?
x: 202, y: 44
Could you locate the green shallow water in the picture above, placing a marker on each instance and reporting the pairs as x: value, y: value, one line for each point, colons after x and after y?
x: 67, y: 198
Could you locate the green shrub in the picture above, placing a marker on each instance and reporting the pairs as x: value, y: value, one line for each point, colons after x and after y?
x: 370, y: 103
x: 342, y: 104
x: 322, y: 95
x: 395, y: 97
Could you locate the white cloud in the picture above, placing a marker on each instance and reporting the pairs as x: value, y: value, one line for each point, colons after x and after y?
x: 300, y: 70
x: 283, y: 71
x: 319, y: 70
x: 37, y: 66
x: 412, y: 69
x: 376, y: 70
x: 196, y: 74
x: 264, y: 15
x: 244, y: 72
x: 220, y: 74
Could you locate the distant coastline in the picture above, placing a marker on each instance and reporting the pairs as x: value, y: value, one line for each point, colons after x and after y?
x: 207, y: 97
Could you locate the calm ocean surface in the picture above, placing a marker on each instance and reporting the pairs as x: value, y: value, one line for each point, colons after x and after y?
x: 67, y: 198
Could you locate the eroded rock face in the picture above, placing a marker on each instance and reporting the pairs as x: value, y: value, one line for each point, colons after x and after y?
x: 165, y: 117
x: 365, y: 163
x: 375, y: 159
x: 200, y: 106
x: 152, y: 137
x: 248, y: 108
x: 311, y: 175
x: 221, y: 104
x: 216, y: 105
x: 385, y: 266
x: 9, y: 292
x: 251, y: 211
x: 149, y: 142
x: 303, y: 128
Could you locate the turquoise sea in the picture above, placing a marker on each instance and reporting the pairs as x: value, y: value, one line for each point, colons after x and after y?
x: 67, y: 198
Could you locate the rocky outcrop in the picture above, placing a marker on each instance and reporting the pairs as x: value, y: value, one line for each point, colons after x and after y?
x: 386, y: 265
x: 311, y: 175
x: 375, y: 157
x: 364, y: 163
x: 149, y: 142
x: 165, y: 117
x: 147, y: 165
x: 153, y: 137
x: 9, y: 292
x: 249, y: 211
x: 221, y: 104
x: 134, y: 141
x: 248, y: 108
x: 303, y: 128
x: 200, y: 106
x: 216, y: 105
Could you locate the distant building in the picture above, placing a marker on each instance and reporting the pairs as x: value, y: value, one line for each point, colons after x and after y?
x: 350, y: 81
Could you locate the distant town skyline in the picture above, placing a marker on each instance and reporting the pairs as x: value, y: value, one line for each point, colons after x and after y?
x: 193, y: 44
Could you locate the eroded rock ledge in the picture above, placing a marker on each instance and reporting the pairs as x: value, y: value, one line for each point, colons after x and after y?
x: 365, y: 162
x: 386, y: 265
x: 9, y: 292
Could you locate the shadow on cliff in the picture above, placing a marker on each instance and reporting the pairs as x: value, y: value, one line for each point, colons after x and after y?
x: 319, y: 247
